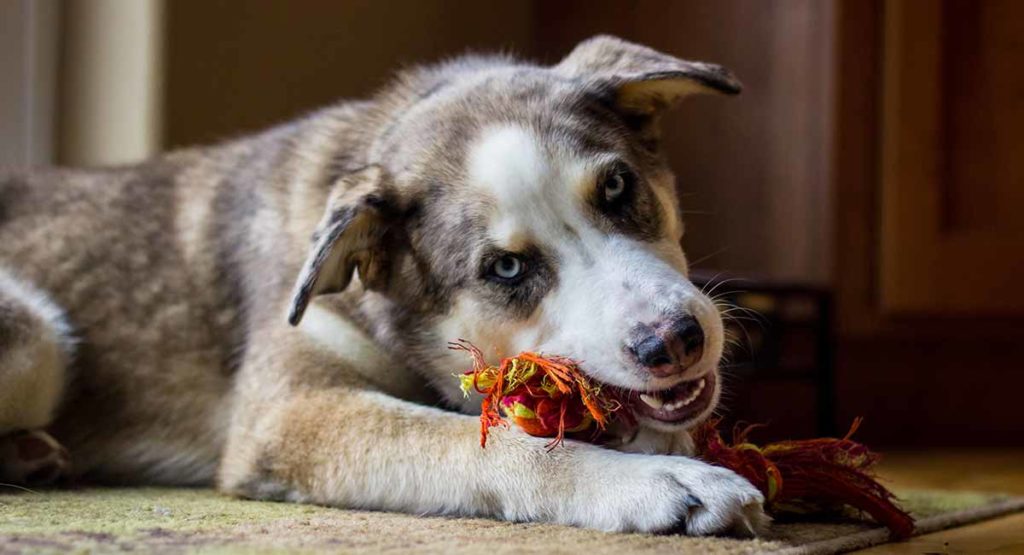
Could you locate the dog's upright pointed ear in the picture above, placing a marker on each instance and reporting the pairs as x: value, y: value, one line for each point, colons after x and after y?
x: 643, y: 81
x: 360, y: 214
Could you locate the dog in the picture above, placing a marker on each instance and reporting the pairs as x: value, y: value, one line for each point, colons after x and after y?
x: 271, y: 315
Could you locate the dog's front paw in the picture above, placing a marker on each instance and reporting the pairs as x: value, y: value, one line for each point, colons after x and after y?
x: 729, y: 504
x: 32, y: 458
x: 641, y: 493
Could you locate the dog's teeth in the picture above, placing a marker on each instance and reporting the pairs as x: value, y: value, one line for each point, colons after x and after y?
x: 657, y: 403
x: 652, y: 401
x: 693, y: 395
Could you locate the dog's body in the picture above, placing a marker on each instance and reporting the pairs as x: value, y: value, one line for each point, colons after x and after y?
x: 145, y: 311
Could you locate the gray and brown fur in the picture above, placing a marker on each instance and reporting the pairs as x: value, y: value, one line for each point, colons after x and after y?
x: 165, y: 294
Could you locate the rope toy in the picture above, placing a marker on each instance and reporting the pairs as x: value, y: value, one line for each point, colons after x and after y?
x: 545, y: 396
x: 807, y: 476
x: 548, y: 396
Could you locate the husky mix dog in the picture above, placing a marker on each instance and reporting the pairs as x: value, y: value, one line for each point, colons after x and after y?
x: 271, y: 315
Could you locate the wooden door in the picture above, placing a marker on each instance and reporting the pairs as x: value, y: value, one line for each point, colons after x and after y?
x: 927, y: 186
x: 952, y: 158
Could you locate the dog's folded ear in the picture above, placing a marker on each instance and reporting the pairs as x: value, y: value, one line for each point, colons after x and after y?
x: 643, y: 81
x: 360, y: 213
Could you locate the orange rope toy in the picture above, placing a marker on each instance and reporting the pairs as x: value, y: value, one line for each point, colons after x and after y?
x: 548, y: 396
x: 545, y: 396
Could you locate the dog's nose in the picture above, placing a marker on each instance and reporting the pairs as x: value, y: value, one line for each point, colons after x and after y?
x: 672, y: 347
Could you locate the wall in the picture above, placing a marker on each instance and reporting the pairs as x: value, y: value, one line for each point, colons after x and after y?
x: 235, y: 66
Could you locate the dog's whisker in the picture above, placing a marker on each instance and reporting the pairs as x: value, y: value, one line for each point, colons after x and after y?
x: 17, y: 487
x: 708, y: 284
x: 709, y: 256
x: 748, y: 310
x: 723, y: 282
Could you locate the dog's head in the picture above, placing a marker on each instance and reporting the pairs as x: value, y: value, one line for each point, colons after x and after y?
x: 530, y: 208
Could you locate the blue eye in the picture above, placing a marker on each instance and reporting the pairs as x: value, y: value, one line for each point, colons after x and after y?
x: 508, y: 267
x: 614, y: 186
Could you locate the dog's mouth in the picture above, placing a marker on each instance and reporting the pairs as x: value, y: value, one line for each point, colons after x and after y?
x: 679, y: 404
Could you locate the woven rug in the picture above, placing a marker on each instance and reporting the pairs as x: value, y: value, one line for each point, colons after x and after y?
x: 148, y: 520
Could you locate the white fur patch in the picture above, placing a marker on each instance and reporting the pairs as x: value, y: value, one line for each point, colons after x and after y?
x: 510, y: 163
x: 40, y: 303
x: 33, y: 374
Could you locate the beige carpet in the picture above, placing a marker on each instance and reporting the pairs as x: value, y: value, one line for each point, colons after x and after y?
x: 200, y: 521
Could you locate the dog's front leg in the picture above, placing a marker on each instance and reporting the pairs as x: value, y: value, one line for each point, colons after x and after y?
x: 362, y: 449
